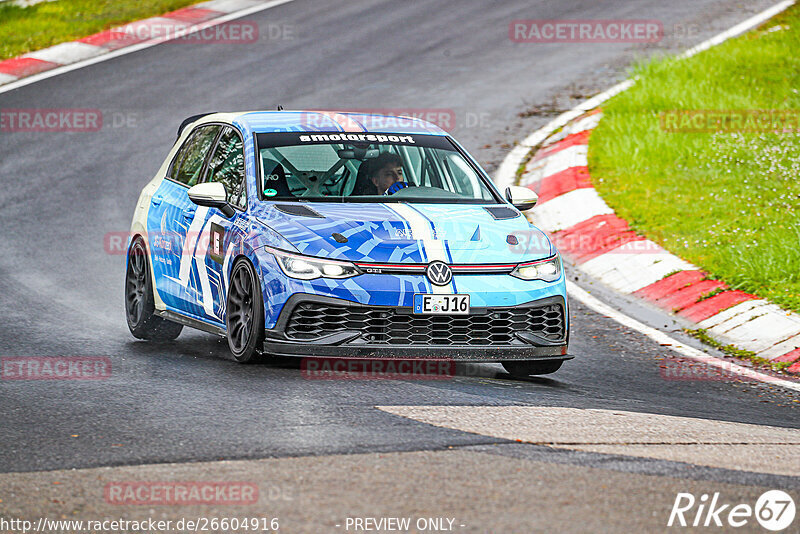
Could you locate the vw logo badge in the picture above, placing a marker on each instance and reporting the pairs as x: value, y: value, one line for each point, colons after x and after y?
x: 439, y: 273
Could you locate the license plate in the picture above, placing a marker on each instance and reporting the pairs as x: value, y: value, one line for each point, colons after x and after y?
x: 428, y: 304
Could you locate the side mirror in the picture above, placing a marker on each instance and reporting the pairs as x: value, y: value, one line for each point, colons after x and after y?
x: 212, y: 195
x: 521, y: 197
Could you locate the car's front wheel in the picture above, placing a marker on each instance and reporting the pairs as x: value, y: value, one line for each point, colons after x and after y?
x: 139, y: 302
x: 528, y: 368
x: 245, y: 313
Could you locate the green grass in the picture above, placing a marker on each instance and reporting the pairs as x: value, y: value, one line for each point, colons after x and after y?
x: 41, y: 25
x: 712, y: 293
x: 727, y: 202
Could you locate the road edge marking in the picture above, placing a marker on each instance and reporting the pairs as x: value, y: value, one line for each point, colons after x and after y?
x: 63, y: 69
x: 660, y: 337
x: 507, y: 172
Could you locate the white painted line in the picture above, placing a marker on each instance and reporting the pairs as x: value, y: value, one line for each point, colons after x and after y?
x: 587, y: 123
x: 507, y: 171
x: 569, y: 209
x: 152, y: 28
x: 26, y: 3
x: 506, y: 174
x: 135, y: 48
x: 738, y: 29
x: 673, y: 344
x: 226, y: 6
x: 629, y: 272
x: 67, y: 52
x: 562, y: 120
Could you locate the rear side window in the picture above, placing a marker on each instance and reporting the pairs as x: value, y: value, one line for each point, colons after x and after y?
x: 227, y: 167
x: 188, y: 163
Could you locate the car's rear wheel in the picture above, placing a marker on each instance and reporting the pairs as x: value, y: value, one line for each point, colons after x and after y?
x: 139, y: 302
x: 528, y: 368
x: 244, y: 319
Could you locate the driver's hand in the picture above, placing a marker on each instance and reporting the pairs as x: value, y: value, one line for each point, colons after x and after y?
x: 395, y: 187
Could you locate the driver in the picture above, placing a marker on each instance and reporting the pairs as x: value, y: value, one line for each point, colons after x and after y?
x: 386, y: 173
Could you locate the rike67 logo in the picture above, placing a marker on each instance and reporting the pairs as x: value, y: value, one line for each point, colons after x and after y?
x: 774, y: 510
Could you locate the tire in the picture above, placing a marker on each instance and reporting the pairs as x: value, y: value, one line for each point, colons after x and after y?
x: 139, y: 302
x: 528, y: 368
x: 244, y: 318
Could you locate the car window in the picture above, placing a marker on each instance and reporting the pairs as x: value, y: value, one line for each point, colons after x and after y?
x: 227, y: 167
x: 463, y: 180
x: 296, y: 171
x: 413, y: 167
x: 349, y: 167
x: 188, y: 163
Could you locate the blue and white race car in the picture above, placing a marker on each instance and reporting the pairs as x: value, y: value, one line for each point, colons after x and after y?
x: 349, y: 235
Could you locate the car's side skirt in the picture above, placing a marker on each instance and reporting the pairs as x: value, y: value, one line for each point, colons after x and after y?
x: 191, y: 322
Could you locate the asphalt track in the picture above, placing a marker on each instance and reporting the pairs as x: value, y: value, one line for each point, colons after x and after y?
x: 61, y: 290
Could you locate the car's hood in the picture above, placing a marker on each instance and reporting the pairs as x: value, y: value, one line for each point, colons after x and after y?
x: 406, y: 233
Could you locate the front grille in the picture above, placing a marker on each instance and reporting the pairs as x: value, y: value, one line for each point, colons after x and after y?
x: 385, y: 326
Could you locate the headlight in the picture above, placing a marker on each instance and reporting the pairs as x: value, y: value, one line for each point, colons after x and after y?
x: 308, y: 268
x: 548, y: 270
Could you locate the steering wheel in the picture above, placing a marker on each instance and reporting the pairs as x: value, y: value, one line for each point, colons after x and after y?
x: 397, y: 186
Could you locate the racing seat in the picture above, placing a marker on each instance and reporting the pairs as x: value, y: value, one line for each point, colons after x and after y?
x: 274, y: 178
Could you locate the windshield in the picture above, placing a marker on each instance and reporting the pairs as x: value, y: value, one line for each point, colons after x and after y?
x: 367, y: 168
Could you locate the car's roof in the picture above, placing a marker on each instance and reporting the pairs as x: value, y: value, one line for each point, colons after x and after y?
x: 325, y: 121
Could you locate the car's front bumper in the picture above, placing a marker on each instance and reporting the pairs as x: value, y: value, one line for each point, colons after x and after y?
x: 331, y: 328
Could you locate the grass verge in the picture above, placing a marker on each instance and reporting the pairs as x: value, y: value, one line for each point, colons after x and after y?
x: 728, y: 202
x: 25, y: 29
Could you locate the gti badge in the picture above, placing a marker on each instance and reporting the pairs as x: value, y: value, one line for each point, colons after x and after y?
x: 439, y: 273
